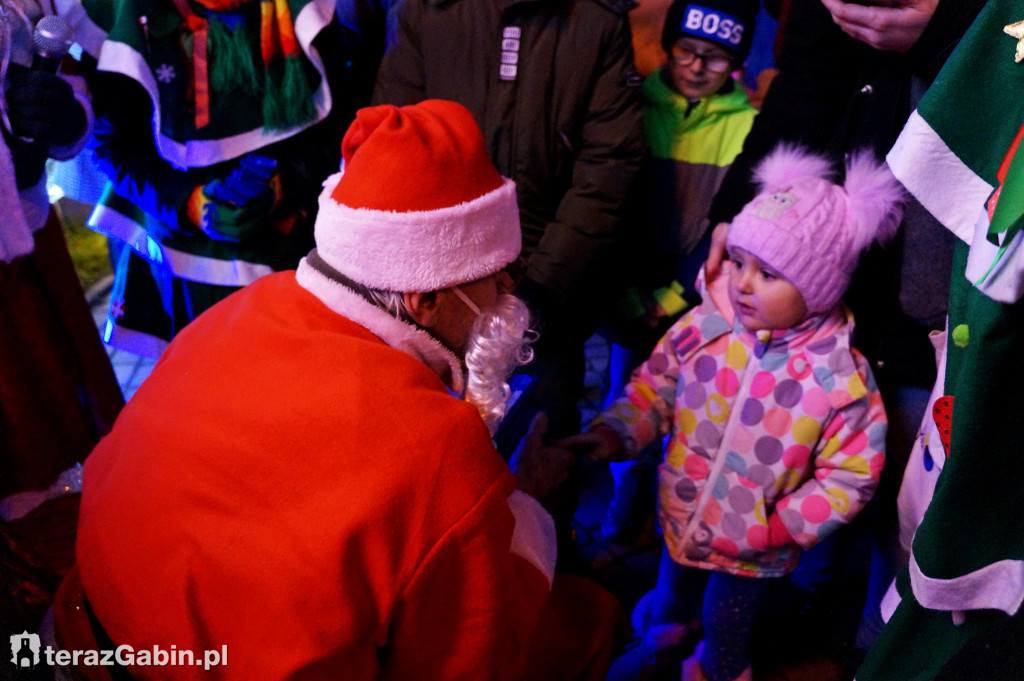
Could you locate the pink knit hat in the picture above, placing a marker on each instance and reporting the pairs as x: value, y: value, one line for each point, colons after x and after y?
x: 418, y: 205
x: 813, y: 231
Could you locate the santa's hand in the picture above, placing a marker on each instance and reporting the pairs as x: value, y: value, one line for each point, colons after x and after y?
x: 540, y: 469
x: 894, y: 27
x: 600, y: 444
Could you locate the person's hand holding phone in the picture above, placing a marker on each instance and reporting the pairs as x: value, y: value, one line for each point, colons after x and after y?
x: 887, y: 25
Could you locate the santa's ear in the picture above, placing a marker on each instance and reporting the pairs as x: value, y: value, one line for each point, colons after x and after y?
x: 422, y: 307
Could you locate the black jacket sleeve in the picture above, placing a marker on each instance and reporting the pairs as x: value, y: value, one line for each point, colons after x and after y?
x: 579, y: 244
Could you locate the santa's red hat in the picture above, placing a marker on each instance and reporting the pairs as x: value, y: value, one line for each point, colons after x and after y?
x: 418, y: 205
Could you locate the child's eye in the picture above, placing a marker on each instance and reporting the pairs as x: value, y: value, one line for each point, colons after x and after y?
x: 768, y: 275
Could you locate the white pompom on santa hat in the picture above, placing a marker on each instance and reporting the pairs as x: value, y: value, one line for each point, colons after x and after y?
x: 418, y: 205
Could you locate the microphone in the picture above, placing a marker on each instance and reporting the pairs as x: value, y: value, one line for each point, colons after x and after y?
x: 52, y: 39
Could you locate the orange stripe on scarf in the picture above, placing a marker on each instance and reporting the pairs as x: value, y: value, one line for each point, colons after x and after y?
x: 277, y: 32
x: 200, y: 76
x: 277, y: 38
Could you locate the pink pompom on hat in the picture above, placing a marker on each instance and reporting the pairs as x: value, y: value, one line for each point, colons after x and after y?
x: 418, y: 205
x: 812, y: 231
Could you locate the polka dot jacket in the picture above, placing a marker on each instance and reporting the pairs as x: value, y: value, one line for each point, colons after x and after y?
x: 774, y: 439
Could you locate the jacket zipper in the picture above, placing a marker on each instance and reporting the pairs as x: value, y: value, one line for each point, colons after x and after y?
x: 719, y: 461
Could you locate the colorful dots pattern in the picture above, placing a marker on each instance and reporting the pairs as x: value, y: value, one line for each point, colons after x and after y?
x: 788, y: 393
x: 696, y: 467
x: 658, y: 364
x: 695, y: 395
x: 686, y: 422
x: 773, y: 361
x: 735, y: 462
x: 815, y: 509
x: 717, y: 409
x: 686, y: 341
x: 777, y: 421
x: 768, y: 450
x: 727, y: 383
x: 839, y: 499
x: 707, y: 435
x: 741, y: 500
x: 757, y: 537
x: 856, y: 464
x: 876, y: 436
x: 676, y: 454
x: 823, y: 347
x: 825, y: 378
x: 712, y: 512
x: 831, y: 447
x: 796, y: 456
x: 764, y: 435
x: 798, y: 367
x: 736, y: 355
x: 704, y: 368
x: 714, y: 326
x: 763, y: 385
x: 686, y: 490
x: 734, y: 525
x: 752, y: 412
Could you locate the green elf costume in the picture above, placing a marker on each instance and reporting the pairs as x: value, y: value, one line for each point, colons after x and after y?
x: 965, y: 581
x: 217, y: 120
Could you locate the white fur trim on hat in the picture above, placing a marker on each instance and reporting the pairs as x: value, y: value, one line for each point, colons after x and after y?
x: 419, y: 250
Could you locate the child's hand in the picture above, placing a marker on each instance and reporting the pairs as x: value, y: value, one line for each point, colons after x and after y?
x: 600, y: 444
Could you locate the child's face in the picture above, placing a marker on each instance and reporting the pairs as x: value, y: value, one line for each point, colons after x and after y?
x: 698, y: 67
x: 760, y: 296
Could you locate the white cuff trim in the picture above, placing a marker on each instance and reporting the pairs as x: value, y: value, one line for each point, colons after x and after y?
x: 534, y: 535
x: 998, y: 586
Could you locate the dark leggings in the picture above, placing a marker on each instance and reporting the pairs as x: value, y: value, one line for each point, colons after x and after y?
x: 728, y: 607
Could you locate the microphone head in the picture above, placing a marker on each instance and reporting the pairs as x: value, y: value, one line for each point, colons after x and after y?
x: 53, y: 37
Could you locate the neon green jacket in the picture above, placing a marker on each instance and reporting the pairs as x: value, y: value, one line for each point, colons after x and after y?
x: 692, y: 146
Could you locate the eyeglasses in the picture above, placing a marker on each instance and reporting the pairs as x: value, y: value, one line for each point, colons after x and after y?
x: 715, y: 63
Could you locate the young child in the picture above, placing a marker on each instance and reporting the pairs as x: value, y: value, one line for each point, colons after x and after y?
x: 696, y: 116
x: 776, y: 428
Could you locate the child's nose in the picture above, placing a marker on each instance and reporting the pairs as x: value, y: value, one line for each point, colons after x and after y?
x: 745, y: 284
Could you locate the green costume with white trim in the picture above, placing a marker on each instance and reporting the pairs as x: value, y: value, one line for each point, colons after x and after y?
x: 148, y: 145
x: 966, y: 572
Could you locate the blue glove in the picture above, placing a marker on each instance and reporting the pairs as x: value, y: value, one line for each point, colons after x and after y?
x: 234, y: 208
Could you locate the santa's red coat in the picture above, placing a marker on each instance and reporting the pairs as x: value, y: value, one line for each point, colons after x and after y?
x: 290, y: 486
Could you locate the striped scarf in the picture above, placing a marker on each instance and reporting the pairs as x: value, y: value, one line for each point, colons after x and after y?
x: 222, y: 60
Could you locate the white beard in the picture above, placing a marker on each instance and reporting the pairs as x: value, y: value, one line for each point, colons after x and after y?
x: 499, y: 342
